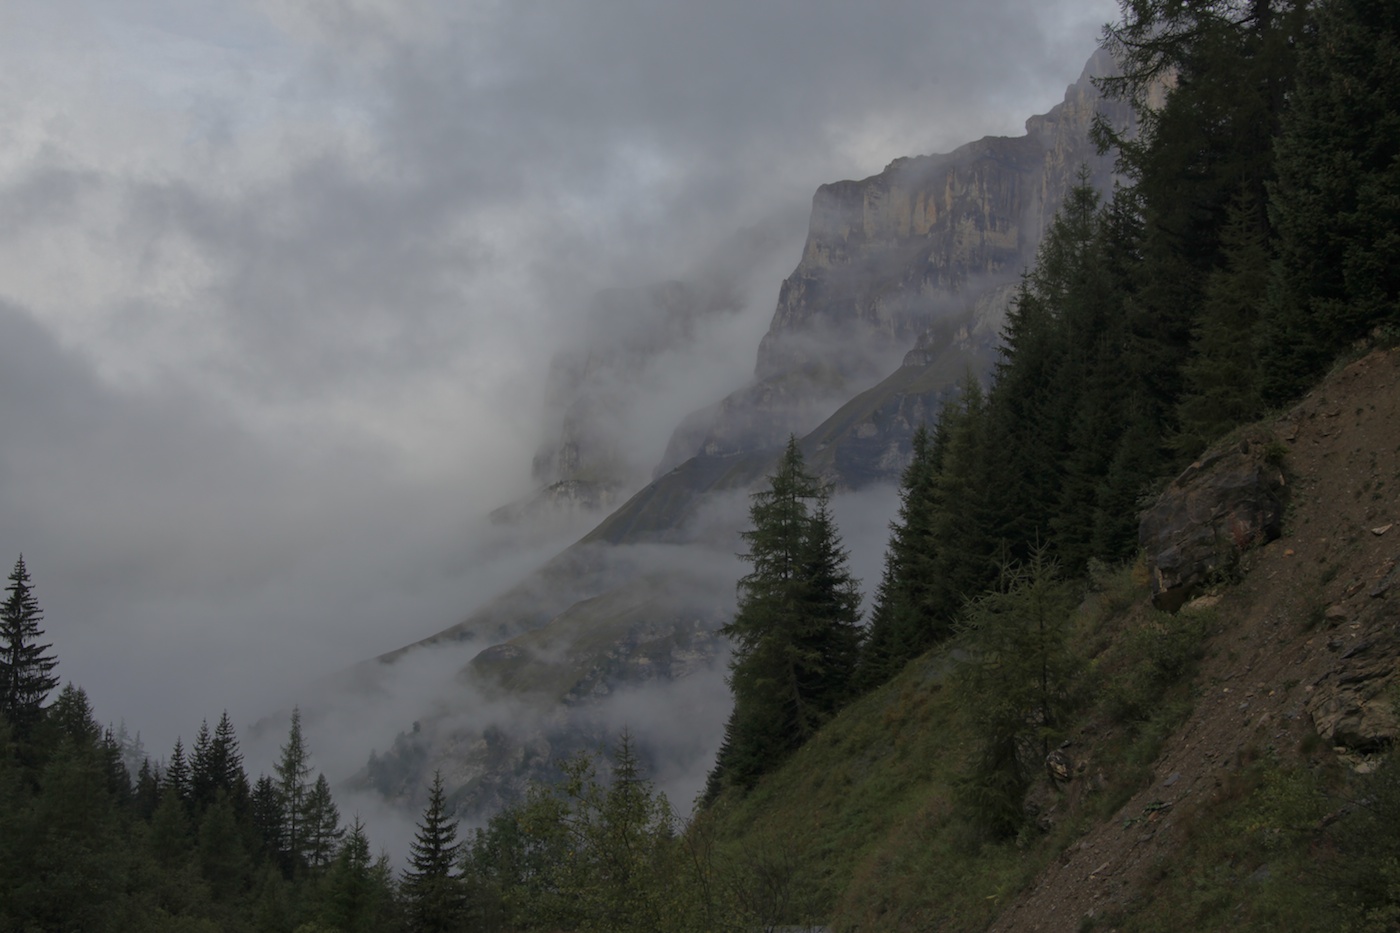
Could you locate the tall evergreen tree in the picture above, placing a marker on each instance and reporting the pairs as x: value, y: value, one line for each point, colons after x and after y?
x: 358, y: 894
x: 895, y: 634
x: 26, y: 665
x: 176, y: 779
x: 293, y: 768
x: 322, y: 822
x: 1336, y: 200
x: 795, y: 631
x: 432, y: 886
x: 1222, y: 375
x: 266, y: 814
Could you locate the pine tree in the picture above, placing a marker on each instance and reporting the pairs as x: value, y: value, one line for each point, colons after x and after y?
x: 26, y: 666
x: 432, y: 887
x: 795, y: 631
x: 223, y: 859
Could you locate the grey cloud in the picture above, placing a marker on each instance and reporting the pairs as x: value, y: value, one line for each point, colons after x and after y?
x: 325, y: 252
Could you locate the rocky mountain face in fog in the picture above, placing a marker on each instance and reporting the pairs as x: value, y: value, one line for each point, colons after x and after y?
x: 592, y: 385
x: 901, y: 291
x: 897, y: 255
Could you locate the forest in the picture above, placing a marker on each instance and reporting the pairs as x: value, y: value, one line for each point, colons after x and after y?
x: 1254, y: 241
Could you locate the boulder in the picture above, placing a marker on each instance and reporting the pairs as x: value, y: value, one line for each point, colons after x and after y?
x: 1230, y: 500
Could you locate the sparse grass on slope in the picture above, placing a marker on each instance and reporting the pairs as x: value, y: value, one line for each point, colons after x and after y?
x: 867, y: 815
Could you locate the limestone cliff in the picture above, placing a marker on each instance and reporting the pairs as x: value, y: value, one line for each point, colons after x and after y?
x: 891, y: 257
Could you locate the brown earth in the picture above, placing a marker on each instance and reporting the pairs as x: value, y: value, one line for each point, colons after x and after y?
x: 1307, y: 637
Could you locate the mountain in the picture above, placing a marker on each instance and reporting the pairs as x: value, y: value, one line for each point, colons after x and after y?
x: 901, y: 292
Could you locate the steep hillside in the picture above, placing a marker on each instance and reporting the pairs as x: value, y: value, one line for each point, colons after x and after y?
x: 1213, y: 766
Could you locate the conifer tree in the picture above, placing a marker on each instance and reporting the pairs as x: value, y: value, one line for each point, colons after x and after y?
x: 265, y: 811
x: 201, y: 781
x: 176, y: 779
x: 896, y: 633
x: 358, y: 894
x: 795, y: 631
x: 322, y: 822
x: 432, y: 886
x: 1334, y: 200
x: 1222, y: 375
x: 1017, y: 685
x: 226, y: 764
x: 293, y: 768
x: 26, y: 666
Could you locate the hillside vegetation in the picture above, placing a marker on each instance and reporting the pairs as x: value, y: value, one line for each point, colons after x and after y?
x: 1019, y: 738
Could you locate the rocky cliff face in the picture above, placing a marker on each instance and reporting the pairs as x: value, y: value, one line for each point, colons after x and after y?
x: 904, y: 252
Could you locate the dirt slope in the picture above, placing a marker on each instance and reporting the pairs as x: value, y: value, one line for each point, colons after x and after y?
x: 1313, y: 608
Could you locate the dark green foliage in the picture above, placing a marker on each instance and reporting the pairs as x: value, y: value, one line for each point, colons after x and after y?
x: 1222, y: 376
x: 1336, y: 200
x: 223, y: 860
x: 795, y: 633
x: 323, y: 829
x: 899, y: 628
x: 587, y: 854
x: 175, y: 782
x: 265, y: 814
x: 1017, y: 686
x: 432, y: 885
x: 292, y: 770
x: 358, y: 895
x: 26, y: 665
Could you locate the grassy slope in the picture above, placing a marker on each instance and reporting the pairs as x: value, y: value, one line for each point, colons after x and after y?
x: 868, y: 806
x: 1202, y: 799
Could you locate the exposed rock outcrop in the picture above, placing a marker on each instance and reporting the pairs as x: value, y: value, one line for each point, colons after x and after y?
x: 1230, y: 500
x: 915, y: 248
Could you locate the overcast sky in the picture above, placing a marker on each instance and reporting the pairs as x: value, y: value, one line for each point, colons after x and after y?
x: 280, y: 279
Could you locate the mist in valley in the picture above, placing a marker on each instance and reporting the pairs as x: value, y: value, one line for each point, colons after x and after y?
x: 281, y: 286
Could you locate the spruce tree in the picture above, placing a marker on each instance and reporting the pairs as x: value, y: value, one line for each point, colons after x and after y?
x: 322, y: 822
x: 358, y: 895
x: 26, y: 666
x: 432, y: 886
x: 176, y: 780
x: 895, y: 634
x: 795, y: 631
x: 292, y: 769
x: 1334, y: 200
